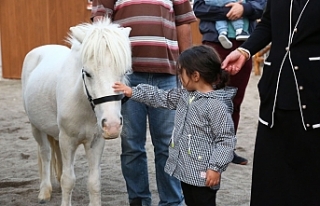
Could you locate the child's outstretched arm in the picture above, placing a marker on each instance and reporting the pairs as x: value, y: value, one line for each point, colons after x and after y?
x: 150, y: 95
x: 120, y: 87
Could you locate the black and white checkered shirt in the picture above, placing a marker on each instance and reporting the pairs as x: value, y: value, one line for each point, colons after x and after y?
x: 203, y: 136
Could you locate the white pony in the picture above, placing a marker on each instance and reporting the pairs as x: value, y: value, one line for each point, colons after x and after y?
x: 69, y: 99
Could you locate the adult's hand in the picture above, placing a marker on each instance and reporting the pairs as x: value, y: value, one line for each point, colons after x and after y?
x: 236, y: 10
x: 233, y: 62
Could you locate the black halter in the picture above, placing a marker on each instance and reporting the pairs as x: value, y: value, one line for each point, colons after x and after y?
x: 94, y: 102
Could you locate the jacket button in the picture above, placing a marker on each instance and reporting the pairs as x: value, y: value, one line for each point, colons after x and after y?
x: 304, y: 106
x: 308, y: 125
x: 287, y: 48
x: 296, y: 67
x: 295, y: 30
x: 300, y: 87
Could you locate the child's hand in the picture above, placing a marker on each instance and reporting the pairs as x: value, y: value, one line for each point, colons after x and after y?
x: 119, y: 87
x: 212, y: 178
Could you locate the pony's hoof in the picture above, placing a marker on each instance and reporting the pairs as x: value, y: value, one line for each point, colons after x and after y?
x: 43, y: 201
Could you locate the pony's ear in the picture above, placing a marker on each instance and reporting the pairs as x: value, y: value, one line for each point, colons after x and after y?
x: 78, y: 32
x: 126, y: 30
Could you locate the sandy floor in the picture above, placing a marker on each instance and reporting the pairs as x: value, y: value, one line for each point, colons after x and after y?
x: 19, y: 180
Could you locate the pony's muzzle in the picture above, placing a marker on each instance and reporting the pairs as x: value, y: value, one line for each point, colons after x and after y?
x: 111, y: 130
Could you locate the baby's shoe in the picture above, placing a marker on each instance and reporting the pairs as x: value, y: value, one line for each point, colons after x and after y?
x: 243, y: 36
x: 225, y: 42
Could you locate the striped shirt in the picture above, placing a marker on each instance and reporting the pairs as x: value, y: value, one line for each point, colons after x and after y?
x: 203, y: 136
x: 153, y: 35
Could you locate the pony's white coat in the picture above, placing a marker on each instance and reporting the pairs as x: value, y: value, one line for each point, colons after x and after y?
x: 56, y: 103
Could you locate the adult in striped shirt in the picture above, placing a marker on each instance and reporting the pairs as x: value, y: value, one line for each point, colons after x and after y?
x: 160, y: 31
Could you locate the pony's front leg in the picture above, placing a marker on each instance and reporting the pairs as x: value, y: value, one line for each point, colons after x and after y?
x: 94, y: 150
x: 68, y: 146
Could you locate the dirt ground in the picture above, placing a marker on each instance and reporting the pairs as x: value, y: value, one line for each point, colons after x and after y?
x: 19, y: 179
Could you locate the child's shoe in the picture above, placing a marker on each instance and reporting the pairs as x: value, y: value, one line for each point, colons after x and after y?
x: 225, y: 42
x: 243, y: 36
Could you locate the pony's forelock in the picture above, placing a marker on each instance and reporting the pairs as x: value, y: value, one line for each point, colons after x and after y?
x: 104, y: 38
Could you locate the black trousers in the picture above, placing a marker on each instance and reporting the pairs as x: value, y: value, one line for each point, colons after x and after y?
x: 198, y: 196
x: 286, y: 165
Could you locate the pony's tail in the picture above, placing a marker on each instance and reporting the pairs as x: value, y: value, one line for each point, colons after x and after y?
x: 56, y: 161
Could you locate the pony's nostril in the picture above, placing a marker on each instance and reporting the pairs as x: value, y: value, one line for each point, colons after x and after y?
x: 102, y: 122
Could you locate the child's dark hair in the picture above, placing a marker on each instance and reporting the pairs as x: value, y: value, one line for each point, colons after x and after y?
x: 206, y: 61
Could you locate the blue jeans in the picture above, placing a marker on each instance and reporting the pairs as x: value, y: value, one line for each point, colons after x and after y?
x: 133, y: 140
x: 222, y: 26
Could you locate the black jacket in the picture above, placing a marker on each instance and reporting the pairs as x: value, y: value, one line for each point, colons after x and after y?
x: 295, y: 49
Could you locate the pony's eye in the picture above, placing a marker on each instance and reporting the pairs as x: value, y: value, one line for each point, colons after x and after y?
x: 87, y: 74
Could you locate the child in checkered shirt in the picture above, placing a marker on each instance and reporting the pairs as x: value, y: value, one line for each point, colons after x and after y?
x: 203, y: 139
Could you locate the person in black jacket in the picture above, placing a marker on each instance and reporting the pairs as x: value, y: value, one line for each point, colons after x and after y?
x: 208, y: 15
x: 286, y: 167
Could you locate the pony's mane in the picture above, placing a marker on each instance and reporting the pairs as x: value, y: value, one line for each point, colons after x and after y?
x: 100, y: 37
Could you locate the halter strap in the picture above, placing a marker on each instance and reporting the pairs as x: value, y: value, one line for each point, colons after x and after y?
x: 110, y: 98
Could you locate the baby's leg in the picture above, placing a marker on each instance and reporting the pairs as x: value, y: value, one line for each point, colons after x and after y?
x: 222, y: 28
